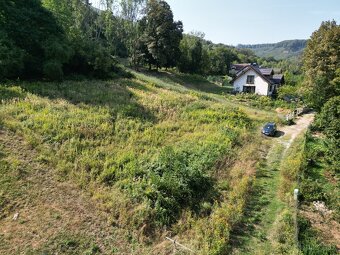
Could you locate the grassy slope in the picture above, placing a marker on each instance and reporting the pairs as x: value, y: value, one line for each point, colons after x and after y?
x: 144, y: 149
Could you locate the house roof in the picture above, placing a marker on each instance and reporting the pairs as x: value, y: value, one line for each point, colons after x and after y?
x: 255, y: 69
x: 239, y: 66
x: 266, y: 71
x: 277, y: 78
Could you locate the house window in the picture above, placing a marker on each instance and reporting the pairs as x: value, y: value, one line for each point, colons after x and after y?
x: 250, y: 79
x: 249, y: 89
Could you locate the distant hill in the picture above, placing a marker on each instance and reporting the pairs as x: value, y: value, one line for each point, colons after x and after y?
x: 281, y: 50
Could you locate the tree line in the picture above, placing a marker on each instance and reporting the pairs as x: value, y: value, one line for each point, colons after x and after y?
x: 54, y: 38
x: 321, y: 87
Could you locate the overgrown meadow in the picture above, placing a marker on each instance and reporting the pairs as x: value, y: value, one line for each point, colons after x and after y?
x: 152, y: 153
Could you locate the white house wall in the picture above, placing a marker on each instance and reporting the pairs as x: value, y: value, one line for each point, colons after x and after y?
x: 261, y: 85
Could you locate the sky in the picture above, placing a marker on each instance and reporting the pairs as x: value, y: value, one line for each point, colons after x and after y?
x: 235, y: 22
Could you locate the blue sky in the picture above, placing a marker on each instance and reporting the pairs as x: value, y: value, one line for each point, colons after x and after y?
x: 254, y: 21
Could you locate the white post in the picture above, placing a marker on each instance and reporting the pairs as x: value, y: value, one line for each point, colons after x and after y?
x: 296, y: 194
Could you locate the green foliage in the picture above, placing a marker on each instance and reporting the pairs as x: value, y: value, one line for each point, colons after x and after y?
x: 288, y: 92
x: 329, y: 118
x: 290, y: 170
x: 92, y: 39
x: 261, y: 102
x: 179, y: 179
x: 221, y: 58
x: 321, y: 64
x: 161, y: 35
x: 317, y: 171
x: 24, y: 50
x: 11, y: 58
x: 192, y: 56
x: 309, y: 241
x: 284, y: 235
x: 8, y: 93
x: 53, y: 70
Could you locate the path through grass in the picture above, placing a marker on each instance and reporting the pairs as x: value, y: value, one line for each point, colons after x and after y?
x: 263, y: 207
x: 257, y: 233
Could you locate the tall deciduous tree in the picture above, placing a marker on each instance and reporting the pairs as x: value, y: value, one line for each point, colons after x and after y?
x: 161, y: 35
x: 89, y: 32
x: 192, y: 55
x: 221, y: 59
x: 131, y: 12
x: 322, y: 64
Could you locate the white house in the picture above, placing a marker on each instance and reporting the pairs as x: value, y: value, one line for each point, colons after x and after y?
x: 252, y: 79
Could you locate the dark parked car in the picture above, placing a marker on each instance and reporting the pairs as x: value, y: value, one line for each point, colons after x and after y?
x: 269, y: 129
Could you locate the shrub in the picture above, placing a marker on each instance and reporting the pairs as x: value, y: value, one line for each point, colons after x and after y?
x: 178, y: 179
x: 312, y: 190
x: 329, y: 118
x: 8, y: 93
x: 53, y: 70
x: 288, y: 92
x: 11, y: 58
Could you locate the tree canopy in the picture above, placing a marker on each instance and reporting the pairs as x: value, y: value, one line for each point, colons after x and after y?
x: 32, y: 43
x: 322, y: 64
x: 161, y: 35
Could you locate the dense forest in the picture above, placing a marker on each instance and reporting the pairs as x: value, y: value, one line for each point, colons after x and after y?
x: 117, y: 129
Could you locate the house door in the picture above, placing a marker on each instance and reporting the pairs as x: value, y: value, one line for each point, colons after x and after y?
x: 249, y: 89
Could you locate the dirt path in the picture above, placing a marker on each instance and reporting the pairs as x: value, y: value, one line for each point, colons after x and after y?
x: 254, y: 236
x: 291, y: 132
x: 40, y: 212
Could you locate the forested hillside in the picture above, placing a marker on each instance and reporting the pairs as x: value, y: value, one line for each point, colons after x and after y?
x: 282, y: 50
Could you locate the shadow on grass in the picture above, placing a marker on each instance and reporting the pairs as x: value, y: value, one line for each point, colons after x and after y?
x: 189, y: 81
x: 114, y: 94
x: 279, y: 134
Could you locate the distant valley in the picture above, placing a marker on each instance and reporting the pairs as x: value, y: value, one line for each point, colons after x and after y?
x: 281, y: 50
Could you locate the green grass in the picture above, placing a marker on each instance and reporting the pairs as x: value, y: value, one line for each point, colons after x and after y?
x: 317, y: 184
x: 268, y: 226
x: 263, y: 208
x: 198, y: 86
x: 153, y: 151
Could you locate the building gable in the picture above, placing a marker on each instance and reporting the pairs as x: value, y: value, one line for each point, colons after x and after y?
x: 252, y: 82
